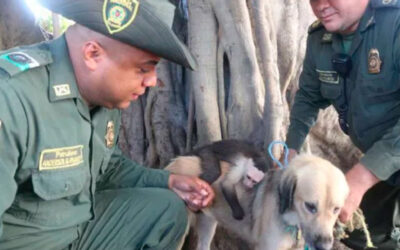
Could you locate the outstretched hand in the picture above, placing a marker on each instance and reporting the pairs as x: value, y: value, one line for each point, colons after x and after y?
x: 196, y: 193
x: 359, y: 179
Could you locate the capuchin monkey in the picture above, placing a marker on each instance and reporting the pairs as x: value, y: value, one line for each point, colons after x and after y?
x: 247, y: 166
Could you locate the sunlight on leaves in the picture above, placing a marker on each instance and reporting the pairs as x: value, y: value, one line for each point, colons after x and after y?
x: 44, y: 17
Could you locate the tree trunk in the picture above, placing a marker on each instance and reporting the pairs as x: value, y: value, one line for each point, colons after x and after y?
x: 249, y: 54
x: 17, y: 25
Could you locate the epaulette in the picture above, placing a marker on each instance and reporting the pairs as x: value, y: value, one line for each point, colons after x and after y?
x: 19, y: 60
x: 385, y: 4
x: 315, y: 26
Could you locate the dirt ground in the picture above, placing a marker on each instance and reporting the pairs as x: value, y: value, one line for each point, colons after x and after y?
x: 340, y: 246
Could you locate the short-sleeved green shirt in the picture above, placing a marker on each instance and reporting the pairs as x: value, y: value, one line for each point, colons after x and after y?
x: 54, y: 150
x: 373, y: 92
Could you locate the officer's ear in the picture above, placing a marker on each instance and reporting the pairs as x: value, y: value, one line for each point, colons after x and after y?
x: 93, y: 54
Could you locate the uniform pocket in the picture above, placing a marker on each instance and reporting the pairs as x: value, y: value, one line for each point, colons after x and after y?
x: 56, y: 184
x: 373, y: 86
x: 330, y: 91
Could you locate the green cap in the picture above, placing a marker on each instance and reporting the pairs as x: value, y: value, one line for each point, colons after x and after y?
x: 144, y: 24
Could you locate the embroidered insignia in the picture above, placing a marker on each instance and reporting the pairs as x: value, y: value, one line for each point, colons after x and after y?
x: 370, y: 21
x: 110, y: 135
x: 62, y: 90
x: 327, y: 37
x: 57, y: 158
x: 331, y: 77
x: 314, y: 26
x: 21, y: 60
x: 374, y: 62
x: 119, y: 14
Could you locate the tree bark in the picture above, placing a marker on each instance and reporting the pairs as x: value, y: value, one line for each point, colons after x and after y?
x: 249, y: 54
x: 17, y: 25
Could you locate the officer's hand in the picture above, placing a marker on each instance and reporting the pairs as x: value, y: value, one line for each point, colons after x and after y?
x: 196, y: 193
x: 360, y: 179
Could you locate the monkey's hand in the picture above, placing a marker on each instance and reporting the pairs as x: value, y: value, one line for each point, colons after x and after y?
x: 196, y: 193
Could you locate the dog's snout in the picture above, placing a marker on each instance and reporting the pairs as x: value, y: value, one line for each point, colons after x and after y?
x: 323, y: 242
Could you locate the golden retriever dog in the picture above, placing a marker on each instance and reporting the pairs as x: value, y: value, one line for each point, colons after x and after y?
x: 287, y: 209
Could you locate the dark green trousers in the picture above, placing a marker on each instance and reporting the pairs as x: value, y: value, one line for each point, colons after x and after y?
x: 131, y: 218
x: 381, y: 209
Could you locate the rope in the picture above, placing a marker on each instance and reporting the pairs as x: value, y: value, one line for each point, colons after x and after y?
x: 357, y: 222
x: 296, y: 234
x: 185, y: 9
x: 286, y: 154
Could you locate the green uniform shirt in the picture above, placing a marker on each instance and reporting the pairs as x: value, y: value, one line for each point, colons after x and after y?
x: 373, y: 97
x: 54, y: 150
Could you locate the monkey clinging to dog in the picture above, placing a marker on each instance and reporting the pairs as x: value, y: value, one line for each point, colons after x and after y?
x: 304, y: 199
x: 247, y: 166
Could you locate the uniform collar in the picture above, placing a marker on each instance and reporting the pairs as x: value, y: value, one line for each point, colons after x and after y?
x: 61, y: 74
x: 368, y: 19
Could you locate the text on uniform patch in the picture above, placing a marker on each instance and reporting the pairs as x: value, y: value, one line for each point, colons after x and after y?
x: 57, y: 158
x: 328, y: 76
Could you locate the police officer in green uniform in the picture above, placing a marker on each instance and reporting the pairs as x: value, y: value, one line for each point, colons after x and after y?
x: 64, y: 183
x: 353, y: 63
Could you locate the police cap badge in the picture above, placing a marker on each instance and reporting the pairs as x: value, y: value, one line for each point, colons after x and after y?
x: 143, y: 24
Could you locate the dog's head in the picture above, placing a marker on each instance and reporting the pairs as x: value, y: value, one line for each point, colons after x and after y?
x: 312, y: 192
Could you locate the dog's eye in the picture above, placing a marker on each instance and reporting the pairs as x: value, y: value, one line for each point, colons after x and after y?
x: 336, y: 210
x: 311, y: 207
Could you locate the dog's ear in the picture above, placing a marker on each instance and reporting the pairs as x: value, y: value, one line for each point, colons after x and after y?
x: 287, y: 186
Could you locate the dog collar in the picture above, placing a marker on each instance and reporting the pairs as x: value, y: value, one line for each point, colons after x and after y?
x: 296, y: 235
x: 294, y: 231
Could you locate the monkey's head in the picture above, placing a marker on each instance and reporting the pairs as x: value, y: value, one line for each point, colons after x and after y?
x: 312, y: 192
x: 252, y: 176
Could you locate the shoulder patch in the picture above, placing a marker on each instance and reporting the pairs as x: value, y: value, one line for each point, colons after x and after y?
x: 385, y: 3
x: 17, y: 61
x: 326, y: 38
x: 315, y: 26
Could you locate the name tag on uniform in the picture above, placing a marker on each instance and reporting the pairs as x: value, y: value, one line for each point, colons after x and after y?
x: 62, y: 90
x: 331, y: 77
x: 58, y: 158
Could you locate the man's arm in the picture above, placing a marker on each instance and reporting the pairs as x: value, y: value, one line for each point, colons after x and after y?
x: 13, y: 134
x: 380, y: 162
x: 308, y: 101
x: 123, y: 172
x: 360, y: 179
